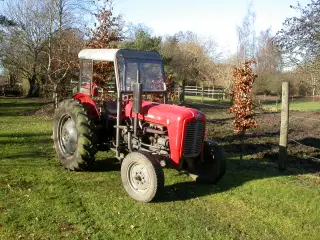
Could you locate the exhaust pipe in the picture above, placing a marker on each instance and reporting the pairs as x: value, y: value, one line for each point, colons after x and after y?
x: 137, y: 101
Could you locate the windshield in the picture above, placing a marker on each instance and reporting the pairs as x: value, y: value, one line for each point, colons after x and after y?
x: 151, y: 75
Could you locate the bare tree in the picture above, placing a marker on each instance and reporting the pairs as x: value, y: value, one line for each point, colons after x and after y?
x: 262, y: 50
x: 247, y: 37
x: 61, y: 46
x: 308, y: 74
x: 299, y: 36
x: 191, y: 58
x: 269, y: 63
x: 299, y: 41
x: 41, y: 44
x: 22, y: 43
x: 223, y: 74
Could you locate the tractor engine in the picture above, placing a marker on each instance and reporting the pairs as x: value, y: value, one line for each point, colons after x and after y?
x: 158, y: 137
x: 152, y: 137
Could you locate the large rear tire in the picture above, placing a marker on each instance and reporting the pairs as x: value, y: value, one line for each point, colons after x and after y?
x: 212, y: 165
x: 73, y: 136
x: 142, y: 176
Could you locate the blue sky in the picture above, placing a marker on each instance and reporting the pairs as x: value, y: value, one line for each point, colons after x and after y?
x: 215, y: 18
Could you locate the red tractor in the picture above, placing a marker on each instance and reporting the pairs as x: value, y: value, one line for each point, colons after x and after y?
x: 145, y: 136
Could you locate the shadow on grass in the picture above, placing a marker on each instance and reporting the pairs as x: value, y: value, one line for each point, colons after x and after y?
x: 250, y: 148
x: 238, y: 172
x: 24, y: 135
x: 254, y: 136
x: 311, y: 142
x: 35, y: 140
x: 20, y: 107
x: 264, y: 164
x: 105, y: 165
x: 19, y: 156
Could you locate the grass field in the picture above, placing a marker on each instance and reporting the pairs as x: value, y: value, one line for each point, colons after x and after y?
x: 296, y: 106
x: 41, y: 200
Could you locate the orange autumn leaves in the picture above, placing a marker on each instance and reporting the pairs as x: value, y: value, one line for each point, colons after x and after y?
x: 243, y: 79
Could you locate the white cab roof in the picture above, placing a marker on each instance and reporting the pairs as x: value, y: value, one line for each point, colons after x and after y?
x: 99, y: 54
x: 110, y: 55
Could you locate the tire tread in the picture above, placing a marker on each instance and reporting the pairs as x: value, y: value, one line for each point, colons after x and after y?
x: 86, y: 149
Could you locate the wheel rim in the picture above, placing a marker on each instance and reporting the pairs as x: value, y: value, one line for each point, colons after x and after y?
x: 139, y: 178
x: 68, y: 136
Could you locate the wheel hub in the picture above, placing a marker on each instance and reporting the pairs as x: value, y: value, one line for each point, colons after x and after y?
x: 68, y: 135
x: 139, y: 177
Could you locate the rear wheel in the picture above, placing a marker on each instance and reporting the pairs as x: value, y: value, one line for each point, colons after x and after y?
x: 212, y: 165
x: 73, y: 135
x: 142, y: 176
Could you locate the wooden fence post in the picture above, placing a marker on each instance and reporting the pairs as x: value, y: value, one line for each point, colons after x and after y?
x: 283, y: 142
x: 202, y: 92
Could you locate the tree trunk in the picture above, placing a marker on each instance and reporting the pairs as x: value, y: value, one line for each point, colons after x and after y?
x: 32, y: 84
x: 34, y: 87
x: 55, y: 96
x: 313, y: 91
x: 182, y: 92
x: 242, y: 141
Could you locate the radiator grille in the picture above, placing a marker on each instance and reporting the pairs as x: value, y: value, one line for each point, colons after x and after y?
x: 193, y: 139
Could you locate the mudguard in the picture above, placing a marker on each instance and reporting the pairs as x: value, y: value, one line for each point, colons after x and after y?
x: 88, y: 104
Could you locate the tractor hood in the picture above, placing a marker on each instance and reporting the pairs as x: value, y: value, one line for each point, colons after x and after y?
x: 176, y: 119
x: 165, y: 114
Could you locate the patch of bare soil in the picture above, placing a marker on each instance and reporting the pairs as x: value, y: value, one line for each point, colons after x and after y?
x: 45, y: 110
x: 262, y: 142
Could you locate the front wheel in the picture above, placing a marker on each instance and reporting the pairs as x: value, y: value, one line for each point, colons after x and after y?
x: 142, y: 176
x: 211, y: 166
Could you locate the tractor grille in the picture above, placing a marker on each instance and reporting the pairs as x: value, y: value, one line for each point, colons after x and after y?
x: 193, y: 139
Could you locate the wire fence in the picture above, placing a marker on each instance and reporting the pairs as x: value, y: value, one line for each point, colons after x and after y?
x: 300, y: 142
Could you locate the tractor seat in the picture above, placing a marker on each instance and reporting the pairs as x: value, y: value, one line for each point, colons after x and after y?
x: 110, y: 107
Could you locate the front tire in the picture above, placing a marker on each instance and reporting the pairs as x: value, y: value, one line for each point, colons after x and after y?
x: 142, y: 176
x: 73, y: 135
x: 212, y: 165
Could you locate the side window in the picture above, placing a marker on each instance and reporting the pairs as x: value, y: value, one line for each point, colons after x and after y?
x: 85, y: 71
x: 85, y: 75
x: 131, y: 75
x: 121, y: 69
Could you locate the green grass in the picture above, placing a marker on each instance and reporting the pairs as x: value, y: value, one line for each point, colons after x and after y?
x: 205, y: 99
x: 41, y: 200
x: 296, y: 106
x: 269, y: 105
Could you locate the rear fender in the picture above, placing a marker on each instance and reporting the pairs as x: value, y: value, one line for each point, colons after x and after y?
x: 88, y: 104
